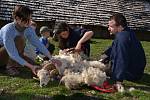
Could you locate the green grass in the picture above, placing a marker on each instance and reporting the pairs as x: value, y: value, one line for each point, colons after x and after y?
x: 23, y: 87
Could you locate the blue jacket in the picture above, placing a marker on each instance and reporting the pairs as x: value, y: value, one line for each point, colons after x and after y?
x: 45, y: 41
x: 127, y: 57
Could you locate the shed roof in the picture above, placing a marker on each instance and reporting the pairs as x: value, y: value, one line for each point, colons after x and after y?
x: 85, y: 12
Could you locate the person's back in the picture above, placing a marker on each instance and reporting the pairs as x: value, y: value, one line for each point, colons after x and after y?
x: 130, y: 55
x: 137, y: 58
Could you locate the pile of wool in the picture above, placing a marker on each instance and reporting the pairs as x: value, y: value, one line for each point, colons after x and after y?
x: 84, y: 72
x: 67, y: 61
x: 71, y: 57
x: 93, y: 76
x: 48, y: 70
x: 72, y: 80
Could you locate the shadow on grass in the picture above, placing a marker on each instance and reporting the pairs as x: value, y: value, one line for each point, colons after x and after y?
x: 23, y: 96
x: 143, y: 88
x: 24, y: 72
x: 145, y: 80
x: 76, y: 96
x: 143, y: 84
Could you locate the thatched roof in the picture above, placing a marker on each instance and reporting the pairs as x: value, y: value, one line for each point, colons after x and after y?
x: 86, y: 12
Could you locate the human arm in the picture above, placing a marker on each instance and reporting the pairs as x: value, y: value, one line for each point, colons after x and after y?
x: 84, y: 38
x: 32, y: 67
x: 44, y: 41
x: 10, y: 46
x: 32, y: 37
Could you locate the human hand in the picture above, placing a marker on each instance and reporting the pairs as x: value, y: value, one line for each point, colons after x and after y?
x: 35, y: 68
x: 32, y: 67
x: 70, y: 50
x: 65, y: 51
x: 104, y: 59
x: 47, y: 45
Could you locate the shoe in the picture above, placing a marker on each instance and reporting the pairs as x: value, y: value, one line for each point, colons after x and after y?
x: 119, y: 87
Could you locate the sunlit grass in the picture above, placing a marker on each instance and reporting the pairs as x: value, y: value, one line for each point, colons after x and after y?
x: 24, y: 87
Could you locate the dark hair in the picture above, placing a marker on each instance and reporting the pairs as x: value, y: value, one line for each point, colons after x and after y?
x: 119, y: 19
x: 60, y: 27
x: 22, y: 11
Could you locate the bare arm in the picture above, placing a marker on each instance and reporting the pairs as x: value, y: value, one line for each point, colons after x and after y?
x: 85, y: 38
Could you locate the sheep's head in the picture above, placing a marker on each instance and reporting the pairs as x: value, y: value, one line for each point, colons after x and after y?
x: 47, y: 72
x: 44, y: 77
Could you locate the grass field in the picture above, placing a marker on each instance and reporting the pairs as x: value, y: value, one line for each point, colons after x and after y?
x: 23, y: 87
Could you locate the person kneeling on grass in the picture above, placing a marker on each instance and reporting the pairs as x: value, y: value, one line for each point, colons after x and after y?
x: 12, y: 41
x: 77, y: 39
x: 126, y: 53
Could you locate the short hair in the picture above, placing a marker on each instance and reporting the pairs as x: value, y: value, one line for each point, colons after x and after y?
x: 119, y: 19
x: 22, y: 11
x: 61, y: 27
x: 44, y: 29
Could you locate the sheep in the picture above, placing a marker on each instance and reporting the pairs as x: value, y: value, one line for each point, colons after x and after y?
x: 44, y: 77
x: 67, y: 60
x: 49, y: 69
x: 64, y: 65
x: 46, y: 73
x: 71, y: 57
x: 74, y: 71
x: 91, y: 76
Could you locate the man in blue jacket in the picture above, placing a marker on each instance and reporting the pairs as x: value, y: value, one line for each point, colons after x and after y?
x: 126, y: 52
